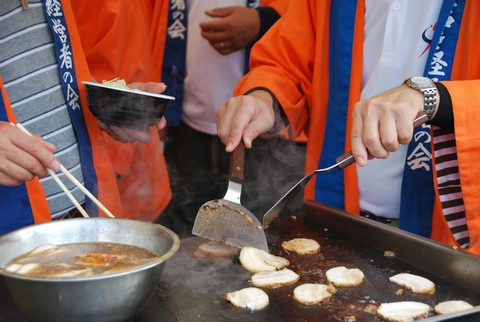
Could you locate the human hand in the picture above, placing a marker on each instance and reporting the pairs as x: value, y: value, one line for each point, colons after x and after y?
x: 129, y: 135
x: 22, y: 157
x: 244, y: 117
x: 383, y: 122
x: 235, y: 28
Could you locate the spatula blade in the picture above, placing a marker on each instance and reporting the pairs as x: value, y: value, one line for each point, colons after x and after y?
x: 231, y: 223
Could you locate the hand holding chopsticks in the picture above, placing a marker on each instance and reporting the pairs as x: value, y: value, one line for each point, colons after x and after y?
x: 75, y: 181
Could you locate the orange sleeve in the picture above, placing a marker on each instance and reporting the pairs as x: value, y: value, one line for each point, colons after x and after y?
x: 464, y: 89
x: 291, y: 60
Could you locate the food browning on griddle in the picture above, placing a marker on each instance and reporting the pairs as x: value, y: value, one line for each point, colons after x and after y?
x: 342, y: 276
x: 302, y: 246
x: 415, y: 283
x: 405, y: 311
x: 275, y: 279
x: 389, y: 253
x: 451, y: 306
x: 215, y: 249
x: 310, y: 293
x: 256, y: 260
x: 270, y: 272
x: 251, y: 298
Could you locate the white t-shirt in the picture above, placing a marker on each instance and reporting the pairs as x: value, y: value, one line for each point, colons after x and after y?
x: 390, y: 56
x: 210, y: 77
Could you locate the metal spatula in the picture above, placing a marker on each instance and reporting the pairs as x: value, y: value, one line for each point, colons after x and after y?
x: 341, y: 163
x: 226, y: 219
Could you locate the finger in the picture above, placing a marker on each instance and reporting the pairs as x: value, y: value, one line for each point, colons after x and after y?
x: 219, y: 12
x: 34, y: 154
x: 231, y: 122
x: 106, y: 128
x: 144, y: 135
x: 161, y: 123
x: 50, y: 146
x: 223, y: 117
x: 120, y: 134
x: 371, y: 137
x: 20, y: 165
x: 151, y: 87
x: 7, y: 180
x: 405, y: 130
x: 13, y: 174
x: 388, y: 133
x: 223, y: 49
x: 216, y: 37
x: 213, y: 26
x: 359, y: 150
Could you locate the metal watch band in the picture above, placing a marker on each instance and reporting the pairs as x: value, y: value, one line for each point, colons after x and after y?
x: 429, y: 92
x: 430, y: 95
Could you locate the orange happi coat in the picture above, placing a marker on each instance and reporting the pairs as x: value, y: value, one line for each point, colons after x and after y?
x: 292, y: 60
x: 115, y: 40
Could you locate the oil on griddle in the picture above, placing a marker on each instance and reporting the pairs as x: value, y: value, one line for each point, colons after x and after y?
x: 193, y: 289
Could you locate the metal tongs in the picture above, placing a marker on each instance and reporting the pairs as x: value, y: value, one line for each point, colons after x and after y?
x: 341, y: 163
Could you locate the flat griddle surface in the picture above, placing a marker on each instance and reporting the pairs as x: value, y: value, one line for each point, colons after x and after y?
x: 192, y: 289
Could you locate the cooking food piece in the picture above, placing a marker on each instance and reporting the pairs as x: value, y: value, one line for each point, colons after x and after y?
x: 256, y: 260
x: 302, y: 246
x: 451, y: 306
x: 342, y: 276
x: 215, y: 249
x: 45, y: 248
x: 21, y: 269
x: 117, y: 82
x: 251, y: 297
x: 313, y: 293
x: 404, y: 311
x: 275, y: 279
x: 78, y: 259
x: 415, y: 283
x: 389, y: 253
x: 67, y: 272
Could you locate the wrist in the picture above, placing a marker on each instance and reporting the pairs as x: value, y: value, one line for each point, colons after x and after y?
x: 429, y: 91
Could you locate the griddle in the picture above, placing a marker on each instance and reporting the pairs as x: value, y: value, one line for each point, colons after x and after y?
x: 192, y: 289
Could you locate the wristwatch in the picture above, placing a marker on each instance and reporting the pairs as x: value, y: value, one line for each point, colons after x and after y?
x: 429, y: 90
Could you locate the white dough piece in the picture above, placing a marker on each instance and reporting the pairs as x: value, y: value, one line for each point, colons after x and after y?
x: 256, y: 260
x: 215, y: 249
x: 451, y: 306
x: 415, y: 283
x: 312, y: 293
x: 405, y: 311
x: 251, y: 297
x: 342, y: 276
x: 301, y: 246
x: 274, y: 279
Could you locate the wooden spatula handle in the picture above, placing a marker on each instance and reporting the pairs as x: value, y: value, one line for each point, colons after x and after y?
x: 237, y: 162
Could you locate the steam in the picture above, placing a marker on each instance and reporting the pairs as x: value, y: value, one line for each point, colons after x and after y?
x: 272, y: 167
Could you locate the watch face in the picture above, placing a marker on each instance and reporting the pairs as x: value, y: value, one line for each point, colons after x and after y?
x: 421, y: 80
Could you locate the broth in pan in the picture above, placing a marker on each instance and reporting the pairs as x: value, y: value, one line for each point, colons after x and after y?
x: 78, y: 259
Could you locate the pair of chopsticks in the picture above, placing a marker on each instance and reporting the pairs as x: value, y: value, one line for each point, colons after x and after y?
x: 75, y: 181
